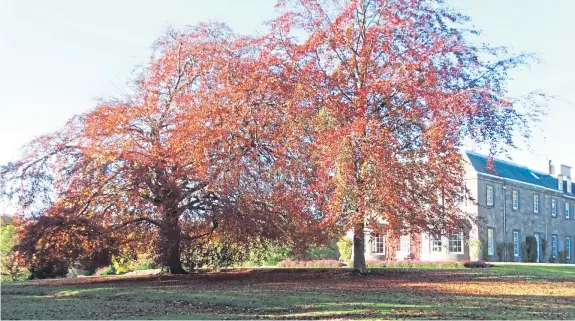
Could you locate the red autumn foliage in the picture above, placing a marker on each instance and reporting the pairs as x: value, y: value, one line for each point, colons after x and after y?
x: 201, y: 147
x: 391, y: 89
x: 356, y: 123
x: 310, y: 264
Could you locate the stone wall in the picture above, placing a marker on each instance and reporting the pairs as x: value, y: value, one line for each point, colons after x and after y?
x: 524, y: 219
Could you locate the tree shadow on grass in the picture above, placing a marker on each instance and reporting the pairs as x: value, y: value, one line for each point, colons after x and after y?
x: 294, y: 294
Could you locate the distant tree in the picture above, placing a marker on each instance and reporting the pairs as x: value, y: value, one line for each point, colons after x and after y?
x: 10, y: 260
x: 391, y: 89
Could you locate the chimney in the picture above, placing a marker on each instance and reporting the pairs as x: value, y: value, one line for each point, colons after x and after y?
x: 551, y: 168
x: 566, y: 171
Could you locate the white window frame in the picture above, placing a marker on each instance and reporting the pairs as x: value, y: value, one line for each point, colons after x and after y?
x: 378, y: 244
x: 554, y: 246
x: 516, y: 244
x: 536, y: 203
x: 451, y: 241
x: 489, y: 192
x: 404, y: 243
x: 515, y: 197
x: 567, y: 210
x: 435, y: 245
x: 568, y: 247
x: 490, y: 241
x: 553, y: 207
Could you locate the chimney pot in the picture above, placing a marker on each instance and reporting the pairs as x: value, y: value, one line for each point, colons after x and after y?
x: 566, y: 171
x: 551, y: 168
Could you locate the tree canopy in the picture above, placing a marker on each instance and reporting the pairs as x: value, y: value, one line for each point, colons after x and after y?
x: 345, y: 115
x: 393, y: 88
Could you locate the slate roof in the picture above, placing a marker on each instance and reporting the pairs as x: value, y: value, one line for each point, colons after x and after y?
x: 516, y: 172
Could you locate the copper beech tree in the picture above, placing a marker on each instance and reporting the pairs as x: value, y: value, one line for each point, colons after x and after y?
x: 391, y: 89
x: 200, y: 146
x: 347, y: 114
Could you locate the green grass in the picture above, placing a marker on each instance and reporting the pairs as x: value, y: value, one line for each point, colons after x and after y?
x: 497, y: 293
x: 539, y: 269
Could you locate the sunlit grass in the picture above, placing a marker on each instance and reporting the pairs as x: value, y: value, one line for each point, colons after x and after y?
x: 560, y: 270
x: 497, y: 293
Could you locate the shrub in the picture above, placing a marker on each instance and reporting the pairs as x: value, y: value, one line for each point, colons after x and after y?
x: 110, y: 270
x: 49, y: 269
x: 309, y: 264
x: 269, y: 254
x: 476, y: 264
x: 121, y: 265
x: 215, y: 254
x: 505, y: 248
x: 344, y: 246
x: 374, y: 264
x: 425, y: 264
x: 323, y: 252
x: 529, y: 249
x: 561, y: 257
x: 147, y: 266
x: 475, y: 246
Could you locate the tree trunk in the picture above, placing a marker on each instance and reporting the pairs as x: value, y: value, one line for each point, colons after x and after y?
x: 359, y: 249
x: 169, y: 248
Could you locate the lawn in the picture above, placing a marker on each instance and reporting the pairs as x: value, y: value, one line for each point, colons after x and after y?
x: 496, y: 293
x: 536, y: 269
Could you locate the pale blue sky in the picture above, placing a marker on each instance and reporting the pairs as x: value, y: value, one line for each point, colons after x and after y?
x: 57, y: 56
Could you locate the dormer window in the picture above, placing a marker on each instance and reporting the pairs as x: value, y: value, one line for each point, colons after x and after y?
x: 560, y: 183
x: 569, y: 187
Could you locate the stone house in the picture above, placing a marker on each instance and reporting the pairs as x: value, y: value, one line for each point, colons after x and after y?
x: 510, y: 203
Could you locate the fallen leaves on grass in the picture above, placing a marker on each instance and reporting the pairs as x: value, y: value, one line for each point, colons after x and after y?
x: 295, y: 294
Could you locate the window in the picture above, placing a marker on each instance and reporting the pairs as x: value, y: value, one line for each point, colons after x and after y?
x: 554, y: 245
x: 404, y: 243
x: 436, y: 244
x: 515, y: 200
x: 568, y: 247
x: 567, y: 210
x: 456, y: 242
x: 490, y: 242
x: 536, y: 203
x: 489, y: 196
x: 553, y: 207
x: 516, y: 243
x: 378, y: 244
x: 569, y: 187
